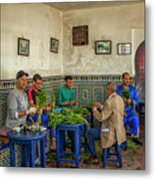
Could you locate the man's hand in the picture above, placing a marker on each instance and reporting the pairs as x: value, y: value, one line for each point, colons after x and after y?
x: 128, y: 101
x: 97, y: 104
x: 47, y: 108
x: 94, y: 108
x: 53, y: 104
x: 72, y: 103
x: 40, y: 110
x: 69, y: 103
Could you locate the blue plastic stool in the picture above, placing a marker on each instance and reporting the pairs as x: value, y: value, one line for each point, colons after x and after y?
x: 28, y: 141
x: 60, y: 133
x: 106, y: 155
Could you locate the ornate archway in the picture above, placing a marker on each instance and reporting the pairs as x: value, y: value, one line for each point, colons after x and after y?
x: 140, y: 70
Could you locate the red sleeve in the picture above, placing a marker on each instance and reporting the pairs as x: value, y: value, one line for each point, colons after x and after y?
x: 30, y: 94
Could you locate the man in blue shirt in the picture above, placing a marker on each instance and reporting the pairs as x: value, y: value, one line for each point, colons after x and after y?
x: 131, y: 102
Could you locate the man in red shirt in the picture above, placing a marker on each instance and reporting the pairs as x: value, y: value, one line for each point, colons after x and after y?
x: 32, y: 94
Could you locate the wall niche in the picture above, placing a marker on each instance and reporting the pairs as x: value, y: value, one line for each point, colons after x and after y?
x: 80, y: 35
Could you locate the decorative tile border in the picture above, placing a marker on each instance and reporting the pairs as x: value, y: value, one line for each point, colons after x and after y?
x: 96, y: 78
x: 47, y: 81
x: 10, y: 84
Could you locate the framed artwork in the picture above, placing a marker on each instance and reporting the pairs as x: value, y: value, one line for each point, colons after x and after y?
x: 54, y: 45
x: 103, y: 47
x: 23, y: 46
x: 80, y: 35
x: 123, y: 48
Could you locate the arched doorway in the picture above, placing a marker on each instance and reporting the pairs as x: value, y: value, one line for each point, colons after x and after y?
x: 140, y: 70
x: 140, y: 76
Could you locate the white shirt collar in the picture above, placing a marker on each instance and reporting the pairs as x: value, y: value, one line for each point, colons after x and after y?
x: 111, y: 95
x: 125, y: 87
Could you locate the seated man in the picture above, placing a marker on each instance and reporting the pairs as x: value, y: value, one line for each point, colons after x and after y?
x: 65, y: 99
x: 17, y: 102
x: 112, y: 129
x: 32, y: 94
x: 65, y: 94
x: 130, y: 117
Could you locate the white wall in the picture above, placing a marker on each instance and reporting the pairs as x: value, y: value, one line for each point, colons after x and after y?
x: 37, y: 23
x: 110, y: 23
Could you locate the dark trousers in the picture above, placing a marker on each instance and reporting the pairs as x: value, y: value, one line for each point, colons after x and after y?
x: 92, y: 135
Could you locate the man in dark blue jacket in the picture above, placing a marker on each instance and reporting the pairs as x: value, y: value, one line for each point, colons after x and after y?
x: 131, y: 100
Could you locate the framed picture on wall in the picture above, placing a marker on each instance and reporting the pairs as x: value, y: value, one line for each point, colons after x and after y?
x: 103, y: 47
x: 123, y: 48
x: 54, y: 45
x: 23, y: 46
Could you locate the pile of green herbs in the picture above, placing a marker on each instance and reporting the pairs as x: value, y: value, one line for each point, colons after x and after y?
x: 67, y: 116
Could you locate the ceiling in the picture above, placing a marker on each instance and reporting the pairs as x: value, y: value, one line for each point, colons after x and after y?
x: 69, y: 6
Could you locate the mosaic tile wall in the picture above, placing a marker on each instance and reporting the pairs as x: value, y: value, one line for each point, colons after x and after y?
x: 50, y: 83
x: 87, y: 89
x: 92, y: 88
x: 5, y: 154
